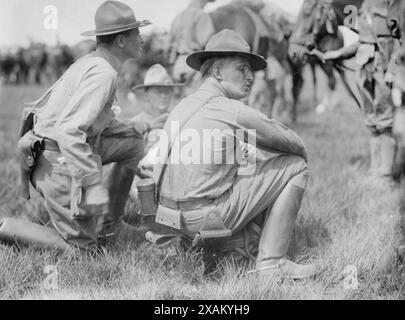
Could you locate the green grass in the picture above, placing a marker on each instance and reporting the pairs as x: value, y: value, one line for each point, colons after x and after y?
x: 346, y: 219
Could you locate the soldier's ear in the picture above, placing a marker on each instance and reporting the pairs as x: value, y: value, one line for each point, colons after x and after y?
x: 120, y: 40
x: 217, y: 73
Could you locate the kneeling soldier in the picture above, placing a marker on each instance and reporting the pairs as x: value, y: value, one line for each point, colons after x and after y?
x: 80, y: 133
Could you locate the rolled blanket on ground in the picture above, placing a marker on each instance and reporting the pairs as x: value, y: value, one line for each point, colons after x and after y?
x: 21, y: 232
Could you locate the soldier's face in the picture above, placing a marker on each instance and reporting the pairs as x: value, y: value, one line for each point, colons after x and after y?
x: 236, y: 77
x: 160, y: 98
x: 134, y: 44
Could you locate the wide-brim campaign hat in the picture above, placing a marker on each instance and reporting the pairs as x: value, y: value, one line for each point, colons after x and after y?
x: 223, y: 44
x: 114, y: 17
x: 157, y: 76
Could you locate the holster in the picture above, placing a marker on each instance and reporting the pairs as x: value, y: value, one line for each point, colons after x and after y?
x: 211, y: 238
x: 29, y: 147
x: 213, y: 231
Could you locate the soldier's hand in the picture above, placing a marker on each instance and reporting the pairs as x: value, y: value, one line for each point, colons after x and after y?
x: 159, y: 122
x: 389, y: 79
x: 318, y: 54
x: 331, y: 55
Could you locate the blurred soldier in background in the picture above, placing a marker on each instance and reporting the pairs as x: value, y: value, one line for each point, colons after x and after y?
x: 183, y: 29
x: 376, y: 53
x: 159, y: 94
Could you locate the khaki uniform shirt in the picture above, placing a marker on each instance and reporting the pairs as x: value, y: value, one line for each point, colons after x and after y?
x: 221, y: 116
x: 78, y: 113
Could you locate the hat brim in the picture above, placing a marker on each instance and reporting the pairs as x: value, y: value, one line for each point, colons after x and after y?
x: 117, y: 29
x: 158, y: 85
x: 196, y: 60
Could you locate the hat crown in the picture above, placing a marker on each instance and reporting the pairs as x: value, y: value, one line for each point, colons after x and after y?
x: 227, y: 40
x: 157, y: 75
x: 113, y: 14
x: 223, y: 44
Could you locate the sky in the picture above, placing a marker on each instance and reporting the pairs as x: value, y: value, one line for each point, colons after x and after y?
x: 23, y: 20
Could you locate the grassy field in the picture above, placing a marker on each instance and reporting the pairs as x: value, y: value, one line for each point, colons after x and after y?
x: 346, y: 220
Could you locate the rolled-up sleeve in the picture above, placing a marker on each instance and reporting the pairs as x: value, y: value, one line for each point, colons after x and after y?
x: 270, y: 135
x: 95, y: 90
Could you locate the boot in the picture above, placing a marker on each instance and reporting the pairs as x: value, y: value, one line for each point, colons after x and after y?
x: 375, y: 155
x: 21, y: 232
x: 388, y: 152
x: 119, y: 184
x: 276, y: 236
x: 286, y: 269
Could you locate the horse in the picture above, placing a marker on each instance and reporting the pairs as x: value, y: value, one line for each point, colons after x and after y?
x: 318, y: 28
x: 269, y: 41
x: 7, y: 67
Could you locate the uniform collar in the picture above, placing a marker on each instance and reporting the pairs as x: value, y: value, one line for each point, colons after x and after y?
x: 212, y: 86
x: 110, y: 58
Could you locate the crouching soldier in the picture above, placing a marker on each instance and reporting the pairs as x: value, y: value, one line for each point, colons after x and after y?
x: 202, y: 194
x: 80, y: 134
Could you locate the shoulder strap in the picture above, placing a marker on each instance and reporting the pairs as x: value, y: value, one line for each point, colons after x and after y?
x: 171, y: 144
x: 35, y: 105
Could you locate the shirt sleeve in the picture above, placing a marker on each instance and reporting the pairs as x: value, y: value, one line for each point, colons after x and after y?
x: 95, y: 90
x: 270, y: 135
x: 350, y: 51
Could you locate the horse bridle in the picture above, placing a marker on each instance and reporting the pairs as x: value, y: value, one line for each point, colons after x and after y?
x: 325, y: 15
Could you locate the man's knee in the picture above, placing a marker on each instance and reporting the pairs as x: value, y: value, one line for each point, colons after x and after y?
x: 300, y: 180
x: 133, y: 153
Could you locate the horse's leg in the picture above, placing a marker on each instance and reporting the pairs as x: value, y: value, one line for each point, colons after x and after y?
x: 314, y: 79
x: 298, y: 82
x: 281, y: 91
x: 327, y: 100
x: 272, y: 91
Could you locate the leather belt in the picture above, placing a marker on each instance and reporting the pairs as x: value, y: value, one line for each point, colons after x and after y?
x: 185, y: 205
x: 50, y: 145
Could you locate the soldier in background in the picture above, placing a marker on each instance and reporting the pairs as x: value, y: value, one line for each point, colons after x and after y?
x: 375, y: 54
x: 159, y: 94
x: 183, y: 28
